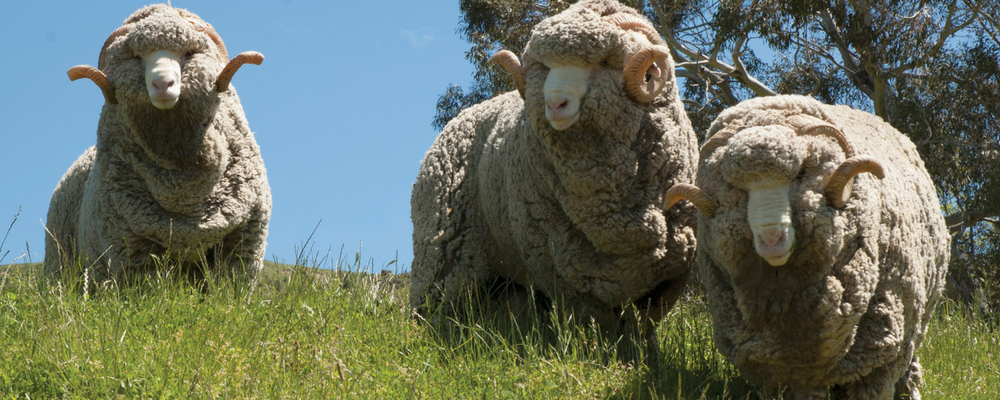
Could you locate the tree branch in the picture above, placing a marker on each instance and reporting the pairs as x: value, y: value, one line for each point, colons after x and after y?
x: 858, y: 75
x: 963, y: 219
x: 743, y: 76
x: 702, y: 62
x: 946, y: 32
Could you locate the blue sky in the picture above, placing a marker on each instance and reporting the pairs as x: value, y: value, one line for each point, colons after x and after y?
x: 341, y: 108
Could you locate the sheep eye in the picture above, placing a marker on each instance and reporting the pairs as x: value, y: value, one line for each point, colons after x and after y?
x: 802, y: 174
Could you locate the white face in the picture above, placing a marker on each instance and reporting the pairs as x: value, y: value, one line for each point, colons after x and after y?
x: 769, y: 214
x: 564, y: 87
x: 163, y: 78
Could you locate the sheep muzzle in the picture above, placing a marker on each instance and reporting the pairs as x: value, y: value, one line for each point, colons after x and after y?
x: 163, y: 78
x: 769, y: 214
x: 564, y: 89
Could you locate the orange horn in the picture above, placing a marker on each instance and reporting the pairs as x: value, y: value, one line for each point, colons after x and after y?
x: 838, y: 187
x: 509, y: 61
x: 251, y: 57
x: 693, y: 194
x: 102, y: 58
x: 809, y: 125
x: 631, y: 22
x: 94, y: 74
x: 634, y: 76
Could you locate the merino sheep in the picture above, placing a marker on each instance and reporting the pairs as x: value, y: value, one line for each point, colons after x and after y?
x: 176, y: 171
x: 813, y: 284
x: 563, y: 191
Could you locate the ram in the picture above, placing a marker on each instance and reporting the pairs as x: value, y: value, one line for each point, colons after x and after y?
x: 821, y: 247
x: 559, y: 186
x: 175, y: 171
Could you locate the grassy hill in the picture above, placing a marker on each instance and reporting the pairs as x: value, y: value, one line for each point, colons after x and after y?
x: 308, y: 333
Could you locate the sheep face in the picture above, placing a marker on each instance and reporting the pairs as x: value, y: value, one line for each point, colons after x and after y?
x: 163, y: 77
x: 166, y: 69
x: 763, y: 162
x: 773, y: 180
x: 770, y: 182
x: 577, y: 67
x: 165, y: 59
x: 174, y: 52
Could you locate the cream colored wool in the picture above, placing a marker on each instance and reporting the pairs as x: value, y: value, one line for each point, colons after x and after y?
x: 575, y: 214
x: 850, y: 308
x: 189, y: 179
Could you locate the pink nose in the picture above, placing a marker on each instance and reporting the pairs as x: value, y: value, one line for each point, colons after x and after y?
x: 163, y: 84
x: 557, y: 105
x: 771, y: 236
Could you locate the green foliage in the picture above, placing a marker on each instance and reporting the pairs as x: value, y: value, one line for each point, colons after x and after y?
x: 302, y: 332
x: 491, y: 26
x: 952, y: 113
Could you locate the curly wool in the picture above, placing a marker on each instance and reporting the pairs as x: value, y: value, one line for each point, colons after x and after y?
x: 189, y: 179
x: 851, y: 306
x: 577, y: 214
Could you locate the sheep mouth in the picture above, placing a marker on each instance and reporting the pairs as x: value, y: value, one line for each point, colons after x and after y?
x: 164, y: 102
x: 563, y: 124
x: 775, y: 254
x: 776, y: 258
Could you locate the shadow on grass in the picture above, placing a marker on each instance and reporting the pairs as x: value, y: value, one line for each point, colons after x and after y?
x: 487, y: 327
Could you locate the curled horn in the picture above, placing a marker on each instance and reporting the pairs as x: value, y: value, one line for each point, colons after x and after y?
x: 693, y: 194
x: 202, y: 26
x: 251, y: 57
x: 634, y: 76
x: 809, y: 125
x: 121, y: 31
x: 630, y: 22
x: 717, y: 140
x: 838, y: 187
x: 509, y: 61
x: 94, y: 74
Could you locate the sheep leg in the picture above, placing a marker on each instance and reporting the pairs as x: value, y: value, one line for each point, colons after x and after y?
x: 906, y: 387
x: 447, y: 267
x: 876, y: 385
x: 241, y: 254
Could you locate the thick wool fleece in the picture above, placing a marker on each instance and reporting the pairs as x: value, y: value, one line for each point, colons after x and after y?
x: 577, y: 214
x: 851, y: 306
x: 189, y: 179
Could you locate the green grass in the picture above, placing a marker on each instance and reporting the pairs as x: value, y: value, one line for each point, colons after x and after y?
x: 307, y: 333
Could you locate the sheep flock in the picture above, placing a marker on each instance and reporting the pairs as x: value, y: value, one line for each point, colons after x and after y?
x: 814, y: 230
